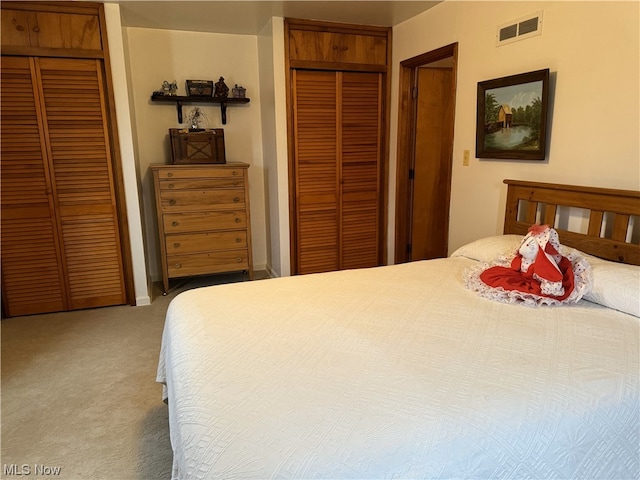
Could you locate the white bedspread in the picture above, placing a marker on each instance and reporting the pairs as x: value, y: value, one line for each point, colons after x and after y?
x: 397, y: 372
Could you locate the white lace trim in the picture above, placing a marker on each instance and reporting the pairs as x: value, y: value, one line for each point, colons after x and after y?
x: 581, y: 274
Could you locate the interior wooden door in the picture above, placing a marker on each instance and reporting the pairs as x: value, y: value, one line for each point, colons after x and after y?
x: 431, y: 184
x: 33, y: 279
x: 406, y: 176
x: 337, y: 159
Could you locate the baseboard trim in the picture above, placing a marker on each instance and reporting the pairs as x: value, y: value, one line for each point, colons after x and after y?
x: 271, y: 272
x: 143, y: 301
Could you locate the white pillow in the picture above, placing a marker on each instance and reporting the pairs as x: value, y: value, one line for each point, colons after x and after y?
x: 614, y: 285
x: 489, y: 249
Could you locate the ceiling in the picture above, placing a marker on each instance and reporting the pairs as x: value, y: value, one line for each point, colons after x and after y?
x: 249, y: 17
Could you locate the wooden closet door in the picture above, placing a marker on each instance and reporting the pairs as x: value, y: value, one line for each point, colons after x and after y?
x: 32, y: 272
x: 337, y: 160
x: 76, y: 133
x: 316, y: 170
x: 60, y: 239
x: 361, y: 137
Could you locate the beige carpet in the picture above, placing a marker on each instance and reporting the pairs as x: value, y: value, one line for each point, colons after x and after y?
x: 79, y: 393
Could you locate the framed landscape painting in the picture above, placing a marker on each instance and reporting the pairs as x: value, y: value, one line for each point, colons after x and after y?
x: 512, y: 116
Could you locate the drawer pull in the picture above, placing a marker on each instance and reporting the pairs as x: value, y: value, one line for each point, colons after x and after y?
x: 174, y: 224
x: 171, y: 185
x: 236, y: 199
x: 238, y: 220
x: 234, y: 173
x: 36, y: 29
x: 20, y: 28
x: 238, y: 240
x: 176, y: 245
x: 172, y: 202
x: 170, y: 174
x: 178, y: 265
x: 236, y: 183
x: 239, y: 259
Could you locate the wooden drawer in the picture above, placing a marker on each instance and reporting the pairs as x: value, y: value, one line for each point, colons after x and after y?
x: 195, y: 173
x: 206, y: 263
x: 201, y: 199
x: 196, y: 183
x: 201, y: 221
x: 205, y: 242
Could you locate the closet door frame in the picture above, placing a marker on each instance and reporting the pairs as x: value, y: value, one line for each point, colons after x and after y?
x: 385, y: 70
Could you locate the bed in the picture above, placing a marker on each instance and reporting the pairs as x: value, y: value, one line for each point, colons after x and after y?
x: 402, y: 372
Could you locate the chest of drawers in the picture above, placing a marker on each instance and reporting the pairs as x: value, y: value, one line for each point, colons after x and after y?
x: 203, y: 219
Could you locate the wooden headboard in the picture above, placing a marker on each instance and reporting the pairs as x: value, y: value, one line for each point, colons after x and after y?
x: 611, y: 215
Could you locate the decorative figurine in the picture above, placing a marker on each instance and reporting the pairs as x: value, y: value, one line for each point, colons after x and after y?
x: 221, y: 91
x: 197, y: 119
x: 239, y: 92
x: 170, y: 89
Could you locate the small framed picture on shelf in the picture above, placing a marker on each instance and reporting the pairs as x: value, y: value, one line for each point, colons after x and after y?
x: 512, y: 117
x: 199, y: 88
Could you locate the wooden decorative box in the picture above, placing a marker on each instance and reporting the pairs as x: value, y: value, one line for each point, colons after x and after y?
x: 197, y: 146
x: 200, y: 88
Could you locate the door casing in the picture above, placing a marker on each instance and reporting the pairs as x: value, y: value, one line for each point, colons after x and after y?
x: 407, y: 114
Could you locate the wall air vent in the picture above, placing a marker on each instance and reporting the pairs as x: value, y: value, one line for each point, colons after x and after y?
x: 520, y: 29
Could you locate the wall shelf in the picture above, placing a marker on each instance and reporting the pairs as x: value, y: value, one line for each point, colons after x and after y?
x: 179, y: 100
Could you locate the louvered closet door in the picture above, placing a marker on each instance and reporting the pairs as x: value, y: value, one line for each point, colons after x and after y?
x: 32, y: 273
x: 361, y: 151
x: 75, y: 125
x: 316, y: 167
x: 337, y: 158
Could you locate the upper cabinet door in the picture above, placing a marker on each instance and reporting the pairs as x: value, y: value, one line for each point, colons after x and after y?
x: 50, y: 30
x: 315, y: 46
x: 332, y: 47
x: 366, y: 49
x: 70, y: 31
x: 15, y: 28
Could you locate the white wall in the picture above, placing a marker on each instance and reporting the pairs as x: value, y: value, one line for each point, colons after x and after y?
x: 156, y: 55
x: 592, y: 50
x: 125, y: 134
x: 274, y: 144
